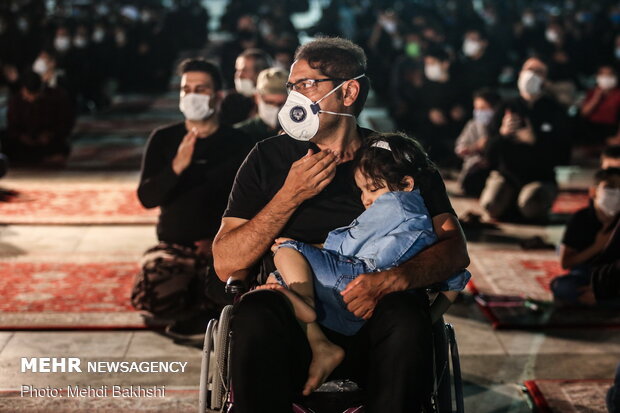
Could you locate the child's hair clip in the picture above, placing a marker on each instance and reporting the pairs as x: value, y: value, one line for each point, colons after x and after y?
x: 382, y: 145
x: 385, y: 145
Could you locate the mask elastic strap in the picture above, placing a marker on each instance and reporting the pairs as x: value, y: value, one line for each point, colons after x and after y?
x: 336, y: 113
x: 336, y: 88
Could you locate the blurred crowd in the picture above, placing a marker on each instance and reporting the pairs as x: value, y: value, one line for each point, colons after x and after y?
x: 83, y: 46
x: 450, y: 72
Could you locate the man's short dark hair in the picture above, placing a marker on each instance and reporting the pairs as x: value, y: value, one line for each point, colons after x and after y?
x: 262, y: 60
x: 202, y: 65
x: 31, y: 81
x: 612, y: 151
x: 478, y: 29
x: 605, y: 174
x: 338, y: 58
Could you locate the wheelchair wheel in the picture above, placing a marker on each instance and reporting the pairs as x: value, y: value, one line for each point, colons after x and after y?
x: 219, y: 388
x: 204, y: 366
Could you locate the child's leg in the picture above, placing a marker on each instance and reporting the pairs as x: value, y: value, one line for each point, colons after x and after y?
x: 303, y: 312
x: 326, y: 356
x: 297, y: 274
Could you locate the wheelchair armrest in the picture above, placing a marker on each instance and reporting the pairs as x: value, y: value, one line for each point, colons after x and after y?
x: 236, y: 284
x: 439, y: 307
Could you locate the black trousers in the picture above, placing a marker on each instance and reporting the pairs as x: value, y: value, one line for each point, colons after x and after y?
x: 390, y: 357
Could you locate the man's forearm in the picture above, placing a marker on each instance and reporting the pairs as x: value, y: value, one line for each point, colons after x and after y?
x: 242, y: 247
x: 435, y: 264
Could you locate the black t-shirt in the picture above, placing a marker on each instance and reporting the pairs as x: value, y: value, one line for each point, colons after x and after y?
x: 523, y: 163
x: 265, y: 169
x: 192, y: 203
x: 581, y: 229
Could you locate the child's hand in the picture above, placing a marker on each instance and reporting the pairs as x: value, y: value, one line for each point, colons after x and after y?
x: 278, y: 241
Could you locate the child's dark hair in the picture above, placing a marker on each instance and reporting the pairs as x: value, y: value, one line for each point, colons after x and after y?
x: 406, y: 157
x: 606, y: 174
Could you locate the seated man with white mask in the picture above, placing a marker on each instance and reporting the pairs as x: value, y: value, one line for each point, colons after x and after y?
x: 528, y: 138
x: 270, y: 97
x: 187, y: 171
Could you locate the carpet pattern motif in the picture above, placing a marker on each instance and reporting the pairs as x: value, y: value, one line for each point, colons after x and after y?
x: 512, y: 289
x: 569, y: 396
x: 75, y: 203
x: 40, y: 292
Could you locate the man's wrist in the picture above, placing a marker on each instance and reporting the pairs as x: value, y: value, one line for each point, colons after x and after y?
x: 287, y: 200
x: 395, y: 280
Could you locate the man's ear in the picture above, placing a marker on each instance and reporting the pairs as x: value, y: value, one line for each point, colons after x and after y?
x: 351, y: 92
x: 592, y: 192
x: 409, y: 183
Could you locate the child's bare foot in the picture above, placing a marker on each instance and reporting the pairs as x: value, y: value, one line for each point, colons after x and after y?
x: 303, y: 311
x: 326, y: 356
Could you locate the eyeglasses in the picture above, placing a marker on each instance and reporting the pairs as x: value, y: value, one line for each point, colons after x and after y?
x: 305, y: 85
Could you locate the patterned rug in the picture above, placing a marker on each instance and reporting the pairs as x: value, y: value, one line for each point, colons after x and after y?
x: 74, y: 203
x: 569, y: 202
x: 41, y: 292
x: 512, y: 289
x: 568, y: 396
x: 181, y: 401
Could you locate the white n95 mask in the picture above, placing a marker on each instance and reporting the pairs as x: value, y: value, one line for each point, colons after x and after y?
x: 196, y: 106
x: 268, y: 114
x: 299, y: 117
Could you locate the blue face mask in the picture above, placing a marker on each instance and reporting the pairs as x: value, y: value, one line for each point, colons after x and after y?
x: 615, y: 18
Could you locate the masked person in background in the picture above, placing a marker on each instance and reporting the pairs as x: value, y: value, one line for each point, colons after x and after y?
x: 477, y: 67
x: 238, y: 104
x: 270, y: 95
x: 440, y: 107
x: 471, y: 143
x: 187, y: 171
x: 590, y: 247
x: 601, y: 108
x: 528, y: 138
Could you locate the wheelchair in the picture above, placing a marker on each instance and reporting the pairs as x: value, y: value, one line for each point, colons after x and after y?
x: 215, y: 393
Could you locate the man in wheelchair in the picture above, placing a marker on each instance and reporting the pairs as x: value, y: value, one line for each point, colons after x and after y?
x: 300, y: 185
